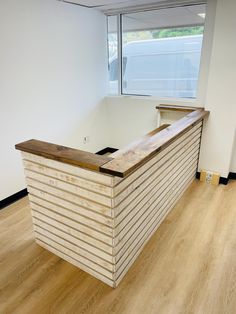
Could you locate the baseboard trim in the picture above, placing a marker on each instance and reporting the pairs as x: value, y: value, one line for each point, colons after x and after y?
x: 13, y: 198
x: 107, y: 150
x: 232, y: 176
x: 223, y: 180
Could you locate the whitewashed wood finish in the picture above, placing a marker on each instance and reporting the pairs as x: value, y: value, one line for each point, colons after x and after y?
x: 88, y: 175
x: 101, y: 223
x: 81, y: 202
x: 87, y: 185
x: 179, y: 143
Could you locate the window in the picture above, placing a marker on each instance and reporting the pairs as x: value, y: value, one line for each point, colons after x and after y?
x: 113, y: 65
x: 160, y: 49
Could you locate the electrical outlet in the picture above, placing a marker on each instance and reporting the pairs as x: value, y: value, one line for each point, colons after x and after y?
x: 86, y: 139
x: 210, y: 177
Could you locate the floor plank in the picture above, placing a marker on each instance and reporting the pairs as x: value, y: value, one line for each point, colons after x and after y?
x: 188, y: 266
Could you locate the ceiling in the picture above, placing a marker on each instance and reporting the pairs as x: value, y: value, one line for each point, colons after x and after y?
x: 164, y: 18
x: 107, y: 4
x: 110, y: 7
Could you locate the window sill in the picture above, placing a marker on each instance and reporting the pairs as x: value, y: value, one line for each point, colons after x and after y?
x: 166, y: 100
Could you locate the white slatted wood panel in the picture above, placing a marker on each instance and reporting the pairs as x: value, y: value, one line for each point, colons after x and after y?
x: 101, y: 223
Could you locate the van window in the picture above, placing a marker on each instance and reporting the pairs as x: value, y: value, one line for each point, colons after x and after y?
x: 173, y: 74
x: 113, y: 69
x: 113, y: 54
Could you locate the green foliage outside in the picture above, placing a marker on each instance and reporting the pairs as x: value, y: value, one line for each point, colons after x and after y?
x: 176, y: 32
x: 151, y: 34
x: 162, y: 33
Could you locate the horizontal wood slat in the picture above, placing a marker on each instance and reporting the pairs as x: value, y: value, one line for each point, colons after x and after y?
x: 73, y: 231
x: 180, y: 142
x: 68, y: 178
x: 36, y: 196
x: 38, y: 209
x: 156, y: 168
x: 71, y: 258
x: 85, y: 195
x: 89, y: 176
x: 152, y: 230
x: 42, y: 227
x: 88, y: 222
x: 161, y: 186
x: 134, y: 197
x: 128, y: 228
x: 94, y: 261
x: 122, y: 249
x: 91, y: 205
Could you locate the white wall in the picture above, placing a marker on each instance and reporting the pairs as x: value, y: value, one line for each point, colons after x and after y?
x: 52, y: 80
x: 132, y: 117
x: 218, y: 137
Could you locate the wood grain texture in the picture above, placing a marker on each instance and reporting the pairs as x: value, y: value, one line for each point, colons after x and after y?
x: 163, y: 107
x: 188, y: 265
x: 89, y: 177
x: 137, y: 153
x: 178, y: 144
x: 159, y: 129
x: 150, y: 134
x: 63, y: 154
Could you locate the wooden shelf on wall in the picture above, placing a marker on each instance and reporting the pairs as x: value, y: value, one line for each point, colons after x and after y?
x: 164, y: 107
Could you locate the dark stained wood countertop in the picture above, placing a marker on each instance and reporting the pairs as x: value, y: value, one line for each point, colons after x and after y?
x: 64, y: 154
x: 124, y: 161
x: 163, y: 107
x: 137, y: 153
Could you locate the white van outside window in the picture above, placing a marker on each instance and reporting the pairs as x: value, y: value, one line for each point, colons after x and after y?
x: 163, y: 67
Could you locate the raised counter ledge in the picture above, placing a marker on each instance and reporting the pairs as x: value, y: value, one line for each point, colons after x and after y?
x: 164, y: 107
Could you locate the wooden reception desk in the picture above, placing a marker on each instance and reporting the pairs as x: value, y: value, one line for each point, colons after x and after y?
x: 98, y: 212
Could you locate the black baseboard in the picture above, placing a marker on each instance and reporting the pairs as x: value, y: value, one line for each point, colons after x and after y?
x: 232, y: 176
x: 107, y: 150
x: 13, y: 198
x: 223, y: 180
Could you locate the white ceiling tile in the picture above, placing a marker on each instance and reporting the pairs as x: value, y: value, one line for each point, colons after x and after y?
x: 98, y: 3
x: 157, y: 19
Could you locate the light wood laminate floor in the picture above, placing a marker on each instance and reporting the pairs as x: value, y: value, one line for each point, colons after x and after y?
x: 188, y: 266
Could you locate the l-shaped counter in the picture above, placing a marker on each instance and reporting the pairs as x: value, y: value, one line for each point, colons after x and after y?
x: 98, y: 212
